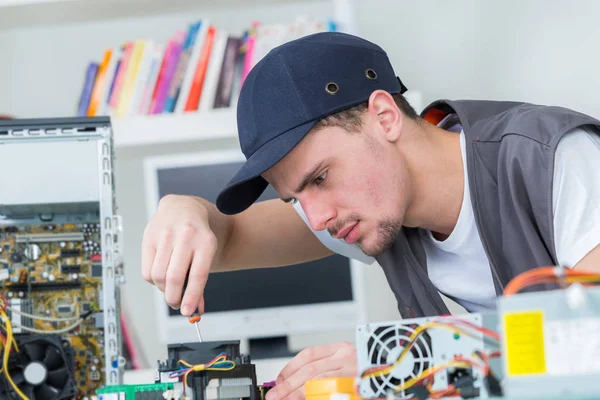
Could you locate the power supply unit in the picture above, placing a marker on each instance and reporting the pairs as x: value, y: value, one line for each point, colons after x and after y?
x: 551, y: 343
x: 414, y: 358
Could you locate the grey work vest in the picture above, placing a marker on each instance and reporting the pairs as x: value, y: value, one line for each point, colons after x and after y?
x: 510, y: 150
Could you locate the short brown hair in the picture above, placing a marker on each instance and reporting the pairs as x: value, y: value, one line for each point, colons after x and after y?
x: 351, y: 118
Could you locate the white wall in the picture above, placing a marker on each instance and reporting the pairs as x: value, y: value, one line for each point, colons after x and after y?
x: 430, y: 43
x: 541, y: 51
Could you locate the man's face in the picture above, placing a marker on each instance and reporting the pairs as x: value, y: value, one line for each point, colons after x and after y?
x: 355, y: 185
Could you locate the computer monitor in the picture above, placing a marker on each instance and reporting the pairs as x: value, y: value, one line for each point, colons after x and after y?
x: 319, y: 296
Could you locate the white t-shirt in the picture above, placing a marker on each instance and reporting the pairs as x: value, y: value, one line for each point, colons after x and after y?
x: 459, y: 267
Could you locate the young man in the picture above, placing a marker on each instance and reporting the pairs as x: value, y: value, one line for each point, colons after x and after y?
x: 458, y: 201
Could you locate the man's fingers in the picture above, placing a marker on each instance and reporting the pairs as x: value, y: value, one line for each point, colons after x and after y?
x: 148, y: 252
x: 199, y: 270
x: 179, y: 265
x: 160, y: 263
x: 306, y: 356
x: 295, y: 382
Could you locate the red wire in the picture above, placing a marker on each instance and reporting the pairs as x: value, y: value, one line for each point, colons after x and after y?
x: 4, y: 302
x: 129, y: 343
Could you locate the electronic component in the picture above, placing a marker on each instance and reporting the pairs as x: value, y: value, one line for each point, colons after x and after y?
x: 425, y: 356
x: 42, y: 369
x: 550, y: 338
x: 154, y: 391
x: 49, y: 237
x: 211, y: 371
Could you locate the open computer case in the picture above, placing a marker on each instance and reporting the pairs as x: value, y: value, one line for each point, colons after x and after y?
x: 60, y: 258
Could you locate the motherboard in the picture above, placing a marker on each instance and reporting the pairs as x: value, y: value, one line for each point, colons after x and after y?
x: 60, y: 260
x: 52, y: 275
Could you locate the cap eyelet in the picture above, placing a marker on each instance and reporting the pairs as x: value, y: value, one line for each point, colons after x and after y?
x: 371, y: 74
x: 332, y: 88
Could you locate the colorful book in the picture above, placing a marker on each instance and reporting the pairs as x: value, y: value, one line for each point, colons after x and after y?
x: 166, y: 74
x: 113, y: 102
x: 200, y: 70
x: 228, y: 70
x: 196, y: 52
x: 150, y: 84
x: 88, y: 87
x: 181, y: 69
x: 99, y: 85
x: 211, y: 81
x: 130, y: 78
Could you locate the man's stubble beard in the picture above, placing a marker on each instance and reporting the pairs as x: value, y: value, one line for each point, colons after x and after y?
x: 387, y: 232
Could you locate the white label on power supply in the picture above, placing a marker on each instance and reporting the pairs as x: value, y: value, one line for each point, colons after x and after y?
x: 572, y: 346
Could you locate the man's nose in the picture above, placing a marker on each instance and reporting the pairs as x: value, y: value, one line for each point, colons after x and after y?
x: 319, y: 213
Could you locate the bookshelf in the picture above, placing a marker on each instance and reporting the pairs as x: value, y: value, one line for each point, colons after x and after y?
x: 169, y: 128
x: 26, y: 22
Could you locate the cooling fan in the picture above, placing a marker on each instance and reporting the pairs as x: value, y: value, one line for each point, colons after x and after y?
x: 42, y: 369
x: 384, y: 345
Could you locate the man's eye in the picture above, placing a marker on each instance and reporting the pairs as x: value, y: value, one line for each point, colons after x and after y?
x: 320, y: 179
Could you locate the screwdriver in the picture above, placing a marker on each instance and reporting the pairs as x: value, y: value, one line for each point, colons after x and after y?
x: 195, y: 319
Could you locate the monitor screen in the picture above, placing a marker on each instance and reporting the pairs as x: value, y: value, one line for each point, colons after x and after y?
x: 321, y: 281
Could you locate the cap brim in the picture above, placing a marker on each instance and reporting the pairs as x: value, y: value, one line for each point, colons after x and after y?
x: 247, y: 184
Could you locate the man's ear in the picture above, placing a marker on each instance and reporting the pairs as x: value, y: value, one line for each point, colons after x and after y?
x: 383, y: 109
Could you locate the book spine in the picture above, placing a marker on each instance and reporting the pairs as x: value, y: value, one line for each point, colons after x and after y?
x: 101, y: 82
x: 182, y: 66
x: 165, y: 79
x: 227, y: 74
x: 200, y: 72
x: 88, y: 86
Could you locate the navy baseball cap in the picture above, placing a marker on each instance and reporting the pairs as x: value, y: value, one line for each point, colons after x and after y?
x: 287, y: 92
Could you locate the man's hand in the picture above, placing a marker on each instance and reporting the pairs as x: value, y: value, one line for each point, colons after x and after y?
x: 335, y: 360
x: 178, y: 240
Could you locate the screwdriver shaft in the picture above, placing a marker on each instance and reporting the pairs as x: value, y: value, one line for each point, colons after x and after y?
x: 198, y: 332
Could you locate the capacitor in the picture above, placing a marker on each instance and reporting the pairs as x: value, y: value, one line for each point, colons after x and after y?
x: 93, y: 367
x: 85, y: 226
x: 63, y: 244
x: 1, y: 250
x: 14, y: 279
x: 45, y: 275
x: 10, y: 294
x: 95, y: 361
x: 32, y: 251
x: 21, y: 294
x: 51, y: 278
x: 47, y: 312
x: 74, y: 276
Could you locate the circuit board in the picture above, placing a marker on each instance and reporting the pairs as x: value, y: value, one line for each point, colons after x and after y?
x: 54, y: 271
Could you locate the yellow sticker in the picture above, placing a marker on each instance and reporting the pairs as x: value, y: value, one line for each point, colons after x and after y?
x: 524, y: 336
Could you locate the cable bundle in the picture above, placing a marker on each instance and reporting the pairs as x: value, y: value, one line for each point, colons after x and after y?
x: 544, y: 275
x: 219, y: 363
x: 456, y: 325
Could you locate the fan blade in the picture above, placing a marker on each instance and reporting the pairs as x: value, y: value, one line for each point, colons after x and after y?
x: 17, y: 377
x: 46, y: 392
x: 58, y: 377
x: 53, y: 359
x: 28, y: 391
x: 35, y: 351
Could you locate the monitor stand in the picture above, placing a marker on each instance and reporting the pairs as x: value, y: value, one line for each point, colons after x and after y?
x: 272, y: 347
